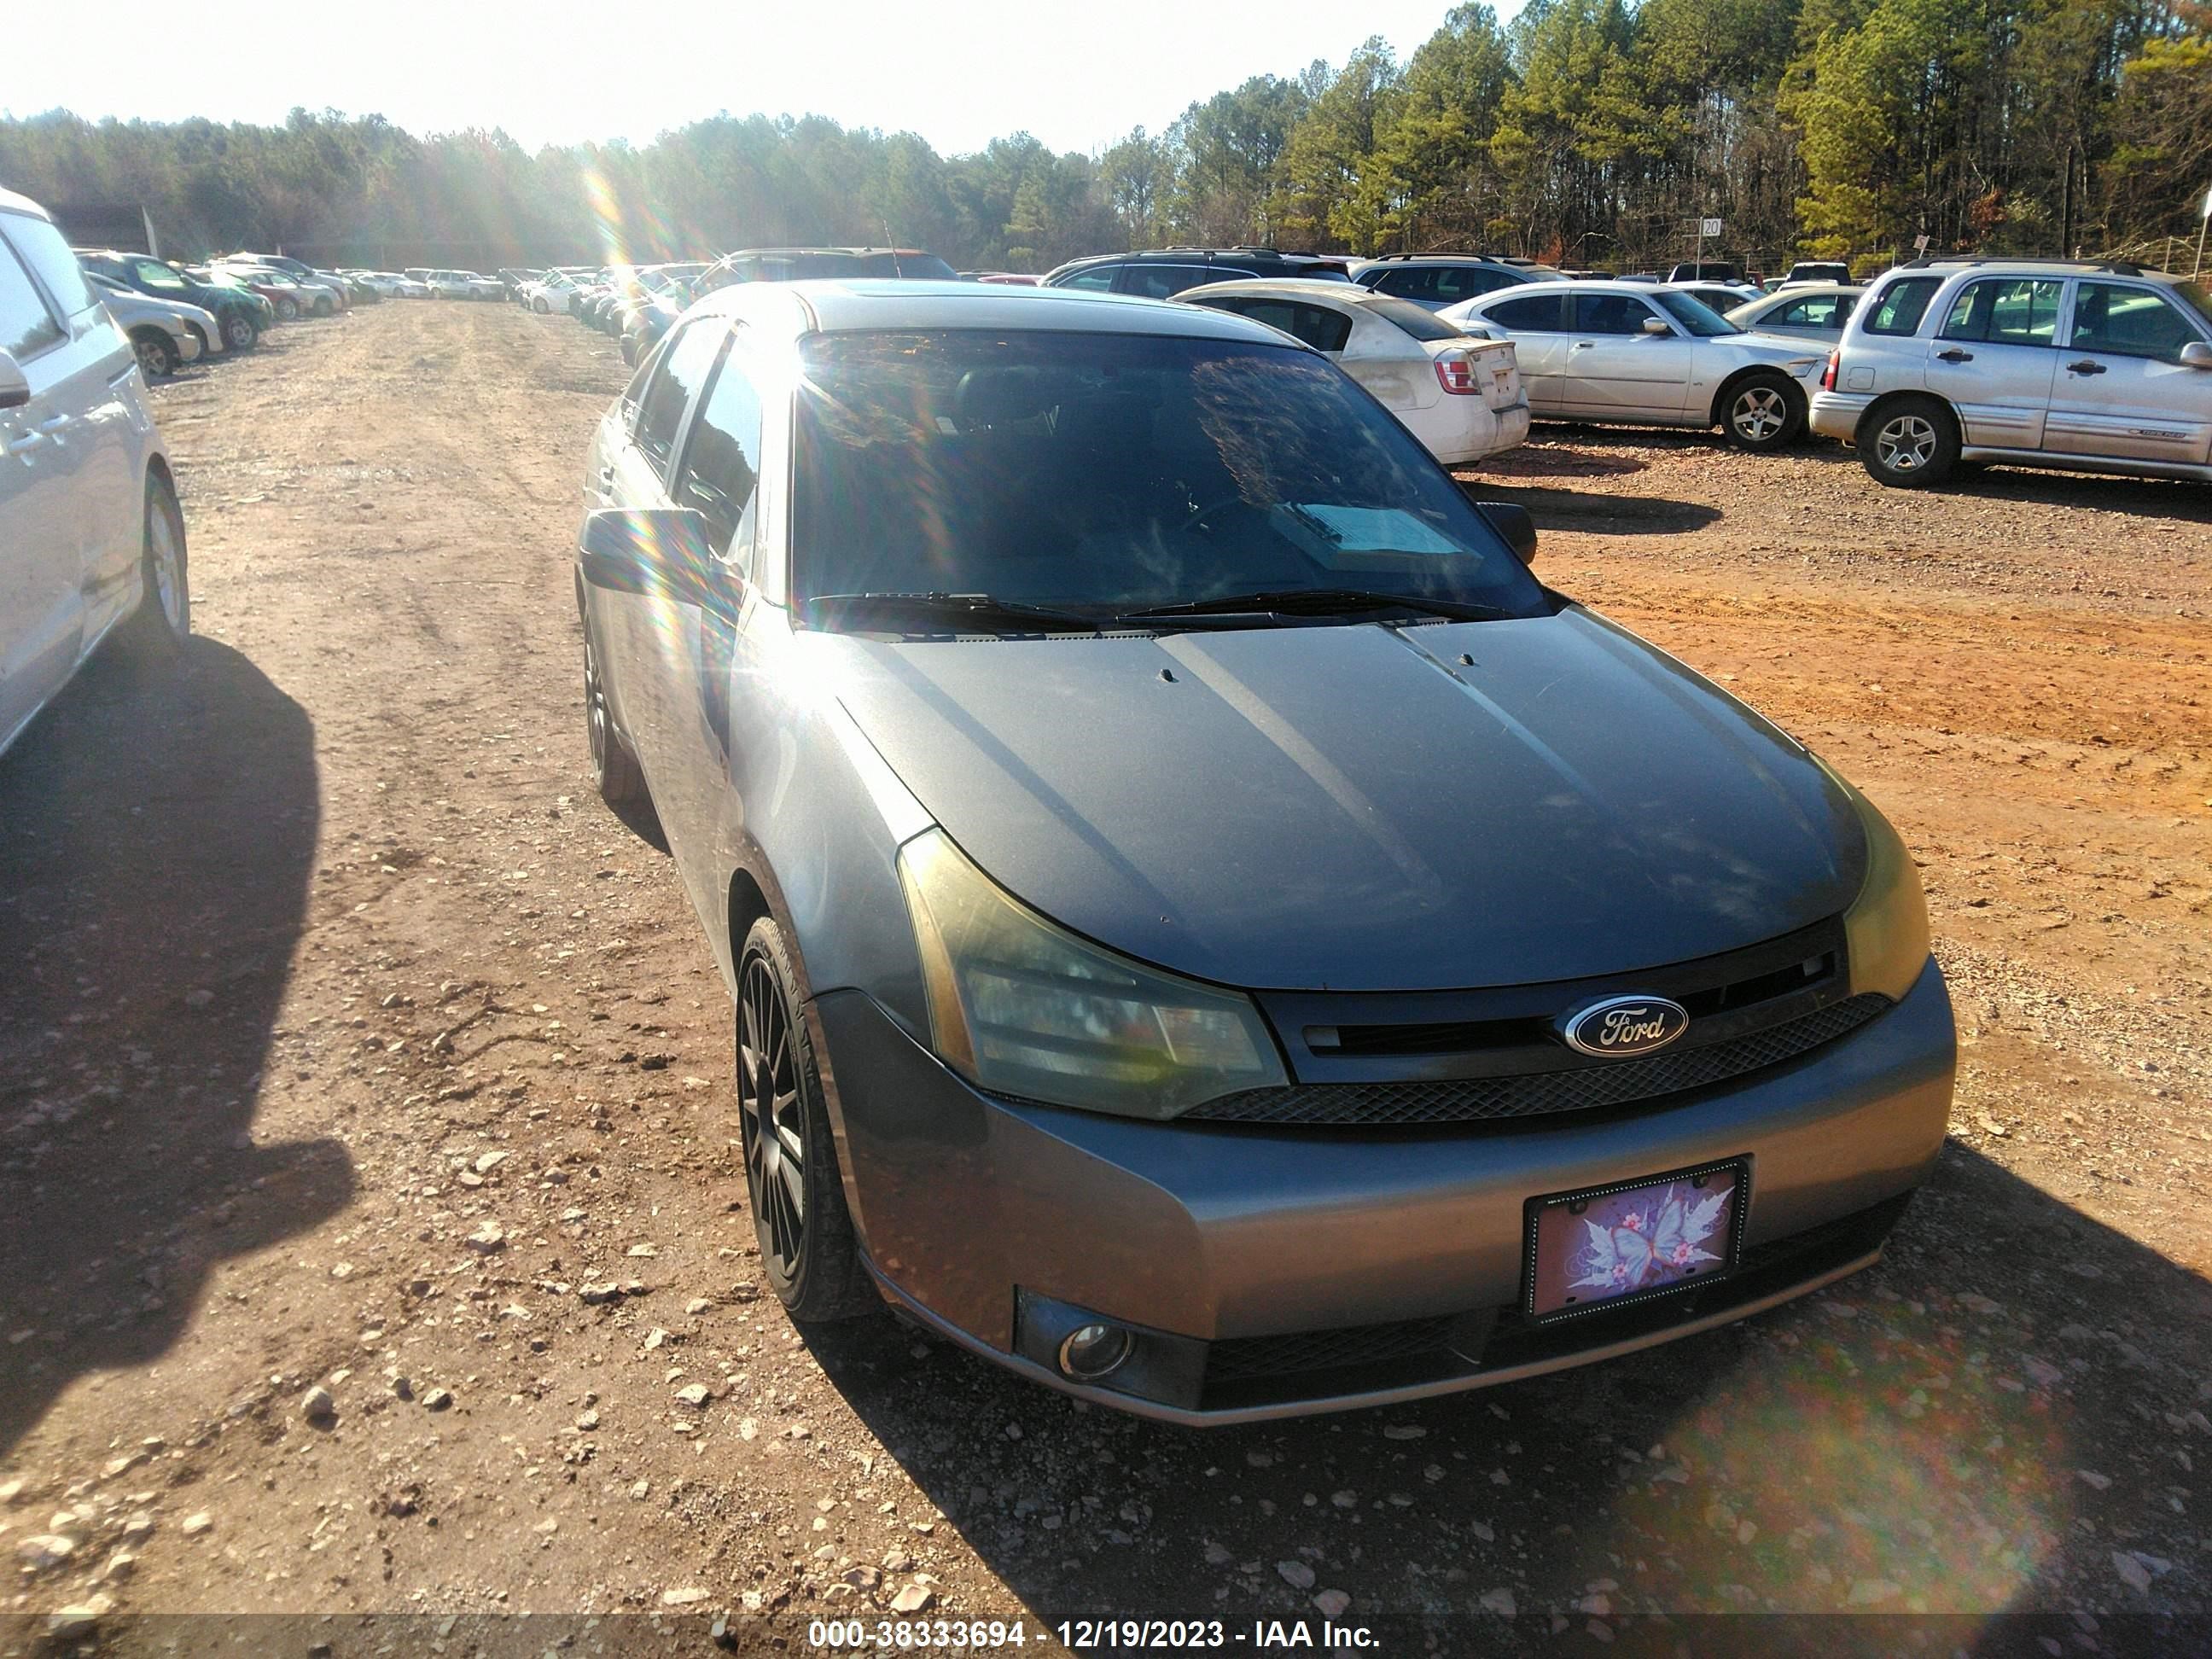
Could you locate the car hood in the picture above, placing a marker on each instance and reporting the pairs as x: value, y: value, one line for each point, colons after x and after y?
x: 1355, y: 807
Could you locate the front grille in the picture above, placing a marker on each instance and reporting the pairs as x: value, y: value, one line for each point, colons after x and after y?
x: 1478, y: 1099
x: 1235, y: 1358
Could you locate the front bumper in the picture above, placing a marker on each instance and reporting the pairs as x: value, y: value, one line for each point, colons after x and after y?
x: 990, y: 1219
x: 1836, y: 413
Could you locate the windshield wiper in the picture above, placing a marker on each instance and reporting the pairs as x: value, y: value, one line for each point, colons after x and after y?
x: 1319, y: 602
x: 980, y: 610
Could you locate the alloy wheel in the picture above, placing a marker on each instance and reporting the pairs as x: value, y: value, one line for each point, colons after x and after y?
x: 1905, y: 444
x: 769, y: 1118
x: 599, y: 722
x: 167, y: 567
x: 1759, y: 415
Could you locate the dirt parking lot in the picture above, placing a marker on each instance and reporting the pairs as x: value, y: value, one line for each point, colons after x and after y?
x: 351, y: 1044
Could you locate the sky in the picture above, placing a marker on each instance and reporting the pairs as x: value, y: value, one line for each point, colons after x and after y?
x: 959, y: 72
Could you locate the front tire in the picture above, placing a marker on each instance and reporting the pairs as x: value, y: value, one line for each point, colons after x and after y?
x: 540, y: 307
x: 324, y: 306
x: 1763, y: 411
x: 157, y: 630
x: 1909, y: 443
x: 157, y: 357
x: 808, y: 1252
x: 288, y: 308
x: 239, y: 333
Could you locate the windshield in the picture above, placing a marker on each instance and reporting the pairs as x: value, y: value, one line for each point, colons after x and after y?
x: 1417, y: 320
x: 1101, y: 473
x: 2193, y: 295
x: 1695, y: 315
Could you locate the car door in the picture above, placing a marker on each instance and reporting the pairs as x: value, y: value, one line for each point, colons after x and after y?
x: 2121, y: 391
x: 1993, y: 357
x: 41, y: 597
x: 96, y: 379
x: 636, y: 631
x: 715, y: 655
x: 1537, y: 322
x: 1615, y: 370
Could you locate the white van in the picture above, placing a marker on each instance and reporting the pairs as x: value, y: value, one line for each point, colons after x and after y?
x: 91, y: 536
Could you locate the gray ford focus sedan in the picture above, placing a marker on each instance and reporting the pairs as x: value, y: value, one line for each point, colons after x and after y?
x: 1209, y: 930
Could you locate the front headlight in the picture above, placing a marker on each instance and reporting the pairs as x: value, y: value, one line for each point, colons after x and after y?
x: 1020, y: 1006
x: 1886, y: 929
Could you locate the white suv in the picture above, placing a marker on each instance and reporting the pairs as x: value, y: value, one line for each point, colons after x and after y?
x: 2090, y: 368
x: 91, y: 539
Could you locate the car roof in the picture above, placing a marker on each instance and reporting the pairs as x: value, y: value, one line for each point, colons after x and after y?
x: 1304, y: 287
x: 1968, y: 264
x: 833, y: 306
x: 14, y: 203
x: 1808, y: 290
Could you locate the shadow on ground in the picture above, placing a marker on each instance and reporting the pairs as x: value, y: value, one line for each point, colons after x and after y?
x: 2002, y: 1416
x: 157, y: 835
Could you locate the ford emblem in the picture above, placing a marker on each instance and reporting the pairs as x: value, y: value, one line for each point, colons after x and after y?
x: 1619, y: 1027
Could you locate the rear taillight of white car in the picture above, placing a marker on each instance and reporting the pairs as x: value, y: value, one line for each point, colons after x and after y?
x: 1455, y: 373
x: 1828, y: 375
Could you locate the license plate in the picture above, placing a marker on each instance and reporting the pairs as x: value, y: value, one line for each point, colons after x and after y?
x: 1609, y: 1246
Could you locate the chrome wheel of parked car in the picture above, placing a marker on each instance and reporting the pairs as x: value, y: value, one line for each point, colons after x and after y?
x: 286, y: 307
x: 156, y: 357
x: 1909, y: 443
x: 615, y: 769
x: 239, y: 332
x: 792, y: 1184
x: 163, y: 621
x: 539, y: 305
x: 1764, y: 412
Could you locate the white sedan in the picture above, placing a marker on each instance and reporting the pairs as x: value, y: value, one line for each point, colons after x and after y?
x: 552, y: 292
x: 1460, y: 396
x: 1628, y: 355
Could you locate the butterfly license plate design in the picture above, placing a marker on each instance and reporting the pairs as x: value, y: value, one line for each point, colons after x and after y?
x: 1613, y: 1245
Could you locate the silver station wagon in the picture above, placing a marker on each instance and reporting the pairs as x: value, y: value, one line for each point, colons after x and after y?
x: 2101, y: 368
x: 1209, y: 930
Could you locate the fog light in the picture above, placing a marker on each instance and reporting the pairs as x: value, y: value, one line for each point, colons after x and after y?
x: 1094, y: 1351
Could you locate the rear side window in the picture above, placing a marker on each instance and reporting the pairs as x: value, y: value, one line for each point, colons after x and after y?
x: 1457, y: 282
x: 1316, y: 325
x: 1538, y: 313
x: 1899, y: 308
x: 2006, y: 311
x: 50, y: 260
x: 26, y: 327
x: 1408, y: 281
x: 2128, y: 322
x: 721, y: 458
x: 683, y: 368
x: 1098, y: 279
x: 1159, y: 282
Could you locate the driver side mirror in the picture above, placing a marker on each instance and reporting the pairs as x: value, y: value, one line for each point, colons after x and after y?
x: 1511, y: 521
x: 14, y: 386
x: 662, y: 553
x: 1654, y: 325
x: 2197, y: 354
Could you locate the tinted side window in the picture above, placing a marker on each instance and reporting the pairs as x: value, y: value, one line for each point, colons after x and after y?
x: 1899, y: 308
x: 2128, y: 322
x: 1098, y: 279
x: 1159, y: 282
x: 1321, y: 329
x: 26, y: 325
x: 1610, y: 313
x: 721, y: 458
x: 153, y: 274
x: 684, y: 365
x: 1825, y: 312
x: 1409, y: 282
x: 1539, y: 312
x: 51, y: 260
x: 2006, y: 311
x: 1456, y: 283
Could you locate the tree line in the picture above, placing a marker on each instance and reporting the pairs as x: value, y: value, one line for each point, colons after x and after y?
x: 1591, y: 133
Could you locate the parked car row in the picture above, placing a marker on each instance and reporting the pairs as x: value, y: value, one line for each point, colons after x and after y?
x: 92, y: 540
